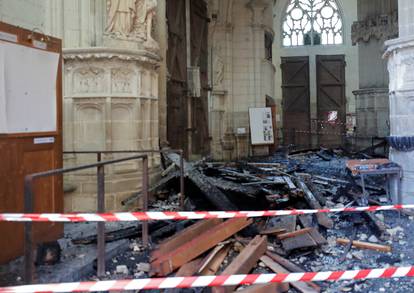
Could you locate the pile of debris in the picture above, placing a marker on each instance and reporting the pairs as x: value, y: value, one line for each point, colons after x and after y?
x: 311, y: 179
x: 297, y: 243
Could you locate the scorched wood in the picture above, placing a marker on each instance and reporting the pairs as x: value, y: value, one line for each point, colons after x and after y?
x: 172, y: 260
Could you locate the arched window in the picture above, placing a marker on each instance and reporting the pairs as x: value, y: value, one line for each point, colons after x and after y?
x: 312, y: 22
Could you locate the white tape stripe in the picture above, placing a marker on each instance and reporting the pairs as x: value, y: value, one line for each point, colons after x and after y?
x: 137, y: 284
x: 171, y: 282
x: 191, y: 215
x: 159, y: 216
x: 234, y: 280
x: 322, y: 275
x: 125, y: 217
x: 401, y: 272
x: 294, y: 277
x: 264, y: 279
x: 349, y: 275
x: 102, y: 286
x: 92, y: 217
x: 203, y: 281
x: 375, y: 274
x: 67, y: 287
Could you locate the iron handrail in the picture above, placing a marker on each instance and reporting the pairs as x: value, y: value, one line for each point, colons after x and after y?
x: 28, y: 207
x: 164, y: 151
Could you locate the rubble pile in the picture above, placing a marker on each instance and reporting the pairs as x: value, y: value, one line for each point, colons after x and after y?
x: 312, y: 179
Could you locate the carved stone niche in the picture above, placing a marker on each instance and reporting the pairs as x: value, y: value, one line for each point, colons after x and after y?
x: 111, y: 103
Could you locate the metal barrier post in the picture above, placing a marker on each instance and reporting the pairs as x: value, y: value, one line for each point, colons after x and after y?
x: 28, y: 229
x: 182, y: 196
x: 101, y: 226
x: 145, y: 199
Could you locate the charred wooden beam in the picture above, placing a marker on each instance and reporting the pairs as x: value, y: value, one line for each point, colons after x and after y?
x: 169, y: 262
x: 245, y: 261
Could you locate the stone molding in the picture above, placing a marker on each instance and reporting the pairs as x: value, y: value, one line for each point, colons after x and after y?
x: 111, y: 53
x: 371, y: 91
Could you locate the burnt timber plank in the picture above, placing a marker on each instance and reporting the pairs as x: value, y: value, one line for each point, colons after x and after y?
x: 209, y: 190
x: 323, y: 219
x: 278, y: 269
x: 290, y: 266
x: 171, y: 261
x: 183, y: 237
x: 245, y: 261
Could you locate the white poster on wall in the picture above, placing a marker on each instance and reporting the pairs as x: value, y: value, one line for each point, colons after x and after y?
x: 261, y: 126
x: 28, y: 89
x: 3, y: 117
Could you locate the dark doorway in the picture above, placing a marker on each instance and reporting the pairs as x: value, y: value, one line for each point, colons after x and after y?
x: 187, y: 120
x: 331, y: 99
x: 177, y: 69
x: 296, y: 101
x: 199, y: 58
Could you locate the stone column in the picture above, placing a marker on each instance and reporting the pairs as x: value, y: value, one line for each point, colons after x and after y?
x: 400, y: 54
x: 111, y: 96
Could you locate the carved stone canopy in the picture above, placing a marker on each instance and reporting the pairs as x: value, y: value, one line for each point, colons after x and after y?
x: 382, y: 27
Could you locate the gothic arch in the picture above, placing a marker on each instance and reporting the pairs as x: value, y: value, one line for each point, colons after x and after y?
x: 312, y: 22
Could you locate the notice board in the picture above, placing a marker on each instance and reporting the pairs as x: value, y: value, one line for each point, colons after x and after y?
x: 30, y: 132
x: 261, y: 126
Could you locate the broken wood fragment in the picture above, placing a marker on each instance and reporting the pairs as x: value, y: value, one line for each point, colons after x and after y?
x: 285, y: 262
x: 365, y: 245
x: 213, y: 261
x: 299, y: 242
x: 171, y: 260
x: 183, y: 237
x: 189, y: 269
x: 323, y: 219
x: 272, y: 231
x: 278, y: 269
x: 245, y: 261
x: 294, y: 234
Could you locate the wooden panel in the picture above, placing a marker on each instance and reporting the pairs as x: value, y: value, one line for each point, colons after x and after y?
x: 177, y: 68
x: 296, y: 100
x: 199, y: 57
x: 331, y: 98
x: 21, y: 156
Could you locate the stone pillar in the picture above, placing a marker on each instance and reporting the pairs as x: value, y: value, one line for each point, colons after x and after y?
x: 111, y: 99
x: 400, y: 54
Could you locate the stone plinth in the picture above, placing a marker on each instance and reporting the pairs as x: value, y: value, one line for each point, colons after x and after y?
x: 400, y: 54
x: 110, y: 104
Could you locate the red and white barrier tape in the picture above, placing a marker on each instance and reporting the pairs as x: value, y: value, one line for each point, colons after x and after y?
x: 214, y: 281
x: 146, y: 216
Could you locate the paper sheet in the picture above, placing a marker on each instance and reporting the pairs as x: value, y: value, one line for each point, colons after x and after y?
x: 3, y: 117
x: 29, y: 89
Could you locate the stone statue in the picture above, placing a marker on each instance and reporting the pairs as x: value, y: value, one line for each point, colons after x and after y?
x: 121, y: 16
x: 218, y: 67
x: 132, y: 19
x: 146, y: 11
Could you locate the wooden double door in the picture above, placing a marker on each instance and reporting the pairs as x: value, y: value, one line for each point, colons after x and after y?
x: 328, y: 128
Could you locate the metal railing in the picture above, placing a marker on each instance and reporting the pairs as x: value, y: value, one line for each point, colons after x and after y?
x: 29, y: 195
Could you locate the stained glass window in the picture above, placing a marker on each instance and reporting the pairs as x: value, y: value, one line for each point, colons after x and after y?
x: 312, y: 22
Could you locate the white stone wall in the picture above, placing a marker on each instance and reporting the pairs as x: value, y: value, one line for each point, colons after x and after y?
x: 349, y: 12
x: 29, y: 14
x: 237, y: 55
